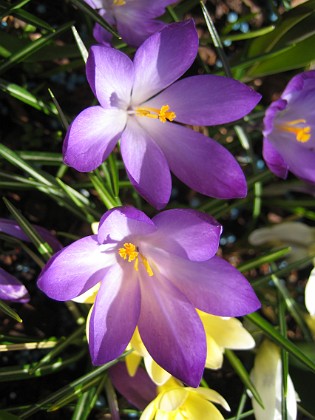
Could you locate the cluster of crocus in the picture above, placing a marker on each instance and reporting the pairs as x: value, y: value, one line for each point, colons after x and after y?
x: 135, y: 20
x: 153, y: 274
x: 289, y: 129
x: 10, y: 287
x: 142, y: 106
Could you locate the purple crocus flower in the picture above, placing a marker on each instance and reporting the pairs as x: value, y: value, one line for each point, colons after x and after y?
x: 134, y: 19
x: 10, y: 287
x: 152, y: 274
x: 289, y: 138
x: 149, y: 120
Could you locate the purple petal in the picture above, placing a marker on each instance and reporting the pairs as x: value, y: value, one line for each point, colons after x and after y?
x: 10, y: 227
x: 187, y: 233
x: 122, y: 222
x: 12, y: 289
x: 110, y: 74
x: 92, y: 136
x: 213, y: 286
x: 302, y: 81
x: 76, y: 269
x: 207, y: 100
x: 163, y: 58
x: 115, y: 314
x: 274, y: 160
x: 139, y: 390
x: 101, y: 35
x: 171, y: 330
x: 198, y: 161
x: 146, y: 165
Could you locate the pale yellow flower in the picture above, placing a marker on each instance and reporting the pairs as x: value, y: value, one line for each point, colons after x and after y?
x: 267, y: 378
x: 175, y: 402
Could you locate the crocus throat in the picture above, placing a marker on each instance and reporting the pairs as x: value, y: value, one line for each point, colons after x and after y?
x: 130, y: 252
x: 302, y: 132
x: 162, y: 114
x: 119, y: 2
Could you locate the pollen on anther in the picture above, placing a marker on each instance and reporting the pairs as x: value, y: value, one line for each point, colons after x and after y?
x: 128, y: 251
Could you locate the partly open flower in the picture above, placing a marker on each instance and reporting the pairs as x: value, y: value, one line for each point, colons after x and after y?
x: 153, y: 274
x: 289, y: 132
x: 134, y: 19
x: 267, y: 378
x: 141, y: 105
x: 10, y: 287
x: 177, y: 402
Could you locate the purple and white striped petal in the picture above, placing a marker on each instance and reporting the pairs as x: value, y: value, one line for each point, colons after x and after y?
x: 110, y: 74
x: 12, y: 289
x: 207, y: 100
x: 115, y: 314
x: 92, y: 136
x: 168, y: 325
x: 122, y: 223
x: 163, y: 58
x: 152, y: 181
x: 76, y: 269
x: 198, y: 161
x: 186, y: 233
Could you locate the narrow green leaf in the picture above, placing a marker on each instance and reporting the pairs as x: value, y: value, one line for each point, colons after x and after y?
x: 268, y: 258
x: 5, y: 415
x: 60, y: 113
x: 216, y: 39
x: 80, y: 44
x: 243, y: 374
x: 94, y: 15
x: 43, y: 247
x: 16, y: 6
x: 9, y: 311
x: 274, y: 335
x: 28, y: 98
x: 104, y: 195
x: 33, y: 20
x: 31, y: 48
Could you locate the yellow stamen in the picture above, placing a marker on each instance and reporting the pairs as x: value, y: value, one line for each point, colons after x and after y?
x: 119, y: 2
x: 130, y: 251
x: 162, y: 114
x: 302, y: 134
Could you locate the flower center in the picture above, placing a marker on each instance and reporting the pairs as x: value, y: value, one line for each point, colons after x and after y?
x: 130, y: 252
x: 162, y: 114
x: 119, y: 2
x: 302, y: 132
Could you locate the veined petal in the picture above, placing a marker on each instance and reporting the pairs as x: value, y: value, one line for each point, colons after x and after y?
x: 207, y: 100
x: 110, y: 74
x: 157, y: 374
x: 168, y: 326
x: 213, y: 396
x: 146, y: 165
x: 115, y: 315
x: 122, y: 222
x: 163, y: 58
x: 198, y: 161
x: 75, y: 269
x: 92, y: 136
x: 139, y: 390
x: 12, y: 289
x: 213, y: 286
x: 11, y: 227
x: 189, y: 233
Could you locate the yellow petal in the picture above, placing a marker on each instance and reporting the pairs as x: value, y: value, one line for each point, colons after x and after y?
x: 150, y: 410
x: 94, y: 227
x: 227, y: 332
x: 213, y: 396
x: 197, y: 408
x: 214, y: 358
x: 132, y: 362
x: 89, y: 296
x: 173, y: 399
x: 310, y: 293
x: 137, y: 344
x: 158, y: 375
x: 87, y: 326
x: 170, y: 384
